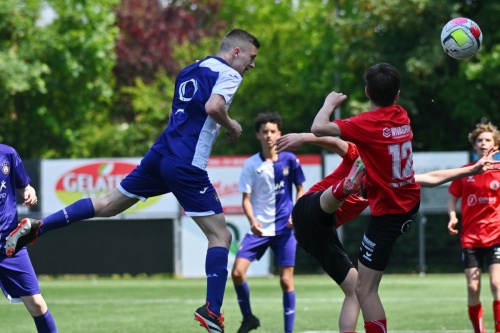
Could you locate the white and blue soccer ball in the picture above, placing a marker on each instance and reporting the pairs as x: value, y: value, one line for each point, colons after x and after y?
x: 461, y: 38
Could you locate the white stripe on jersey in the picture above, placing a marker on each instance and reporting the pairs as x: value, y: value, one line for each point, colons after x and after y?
x: 226, y: 85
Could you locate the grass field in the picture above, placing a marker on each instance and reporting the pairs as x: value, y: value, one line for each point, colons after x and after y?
x: 433, y: 303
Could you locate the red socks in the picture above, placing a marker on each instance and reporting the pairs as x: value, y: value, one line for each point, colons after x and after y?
x: 496, y: 315
x: 376, y: 326
x: 338, y: 191
x: 476, y: 318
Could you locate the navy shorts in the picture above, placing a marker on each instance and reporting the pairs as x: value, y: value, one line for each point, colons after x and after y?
x: 380, y: 236
x: 284, y: 247
x: 157, y: 175
x: 475, y: 257
x: 17, y: 276
x: 316, y: 233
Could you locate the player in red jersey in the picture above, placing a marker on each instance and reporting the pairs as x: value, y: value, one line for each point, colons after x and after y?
x: 318, y: 214
x: 383, y: 137
x: 480, y: 235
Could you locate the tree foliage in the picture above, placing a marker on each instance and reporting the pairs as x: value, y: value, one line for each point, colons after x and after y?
x: 312, y: 47
x: 98, y: 79
x: 64, y: 78
x: 145, y: 69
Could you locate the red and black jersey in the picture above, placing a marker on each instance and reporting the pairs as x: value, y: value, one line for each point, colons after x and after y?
x: 384, y: 140
x: 480, y: 203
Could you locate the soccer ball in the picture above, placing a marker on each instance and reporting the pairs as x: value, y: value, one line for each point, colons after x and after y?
x: 461, y: 38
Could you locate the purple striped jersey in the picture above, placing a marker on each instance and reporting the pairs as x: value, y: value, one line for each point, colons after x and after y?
x: 191, y: 133
x: 271, y: 186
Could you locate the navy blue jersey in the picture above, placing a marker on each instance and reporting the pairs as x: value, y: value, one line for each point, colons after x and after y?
x: 191, y: 133
x: 12, y: 178
x: 271, y: 187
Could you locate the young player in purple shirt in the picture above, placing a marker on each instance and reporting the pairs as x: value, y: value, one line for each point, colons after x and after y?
x: 267, y: 182
x: 176, y: 163
x: 18, y: 280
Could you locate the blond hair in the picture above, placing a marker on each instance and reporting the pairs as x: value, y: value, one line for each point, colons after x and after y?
x: 484, y: 128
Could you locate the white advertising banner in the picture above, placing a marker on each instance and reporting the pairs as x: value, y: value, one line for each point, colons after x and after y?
x: 224, y: 173
x: 422, y: 162
x: 432, y: 199
x: 194, y: 247
x: 64, y: 181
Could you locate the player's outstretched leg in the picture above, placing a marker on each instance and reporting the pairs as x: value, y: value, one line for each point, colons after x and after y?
x: 249, y: 324
x: 25, y: 233
x: 209, y: 320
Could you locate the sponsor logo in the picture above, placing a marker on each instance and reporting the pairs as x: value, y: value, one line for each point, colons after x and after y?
x: 95, y: 180
x: 289, y: 312
x: 279, y: 188
x: 470, y: 179
x: 406, y: 226
x: 212, y: 275
x: 5, y: 168
x: 487, y: 200
x: 204, y: 190
x: 471, y: 200
x: 397, y: 132
x: 226, y: 189
x: 279, y: 185
x: 189, y: 86
x: 367, y: 247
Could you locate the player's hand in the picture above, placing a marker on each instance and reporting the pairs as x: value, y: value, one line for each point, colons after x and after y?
x: 452, y: 226
x: 235, y: 132
x: 334, y: 99
x: 290, y: 223
x: 289, y: 142
x: 30, y: 198
x: 487, y: 162
x: 256, y: 229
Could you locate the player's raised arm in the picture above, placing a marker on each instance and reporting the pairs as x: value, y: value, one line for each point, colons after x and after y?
x: 322, y: 126
x: 438, y: 177
x: 293, y: 141
x: 216, y: 109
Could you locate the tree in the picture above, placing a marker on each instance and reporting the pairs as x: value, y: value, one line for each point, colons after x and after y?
x: 310, y: 48
x: 61, y: 79
x: 146, y: 66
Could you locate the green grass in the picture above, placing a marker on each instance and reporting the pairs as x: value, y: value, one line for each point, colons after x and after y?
x: 434, y: 303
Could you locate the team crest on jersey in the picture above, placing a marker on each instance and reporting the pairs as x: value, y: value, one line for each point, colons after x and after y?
x: 5, y: 168
x: 494, y: 185
x: 286, y: 171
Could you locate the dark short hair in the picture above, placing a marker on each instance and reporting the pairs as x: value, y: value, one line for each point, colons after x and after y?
x: 382, y: 83
x: 240, y: 38
x: 268, y: 117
